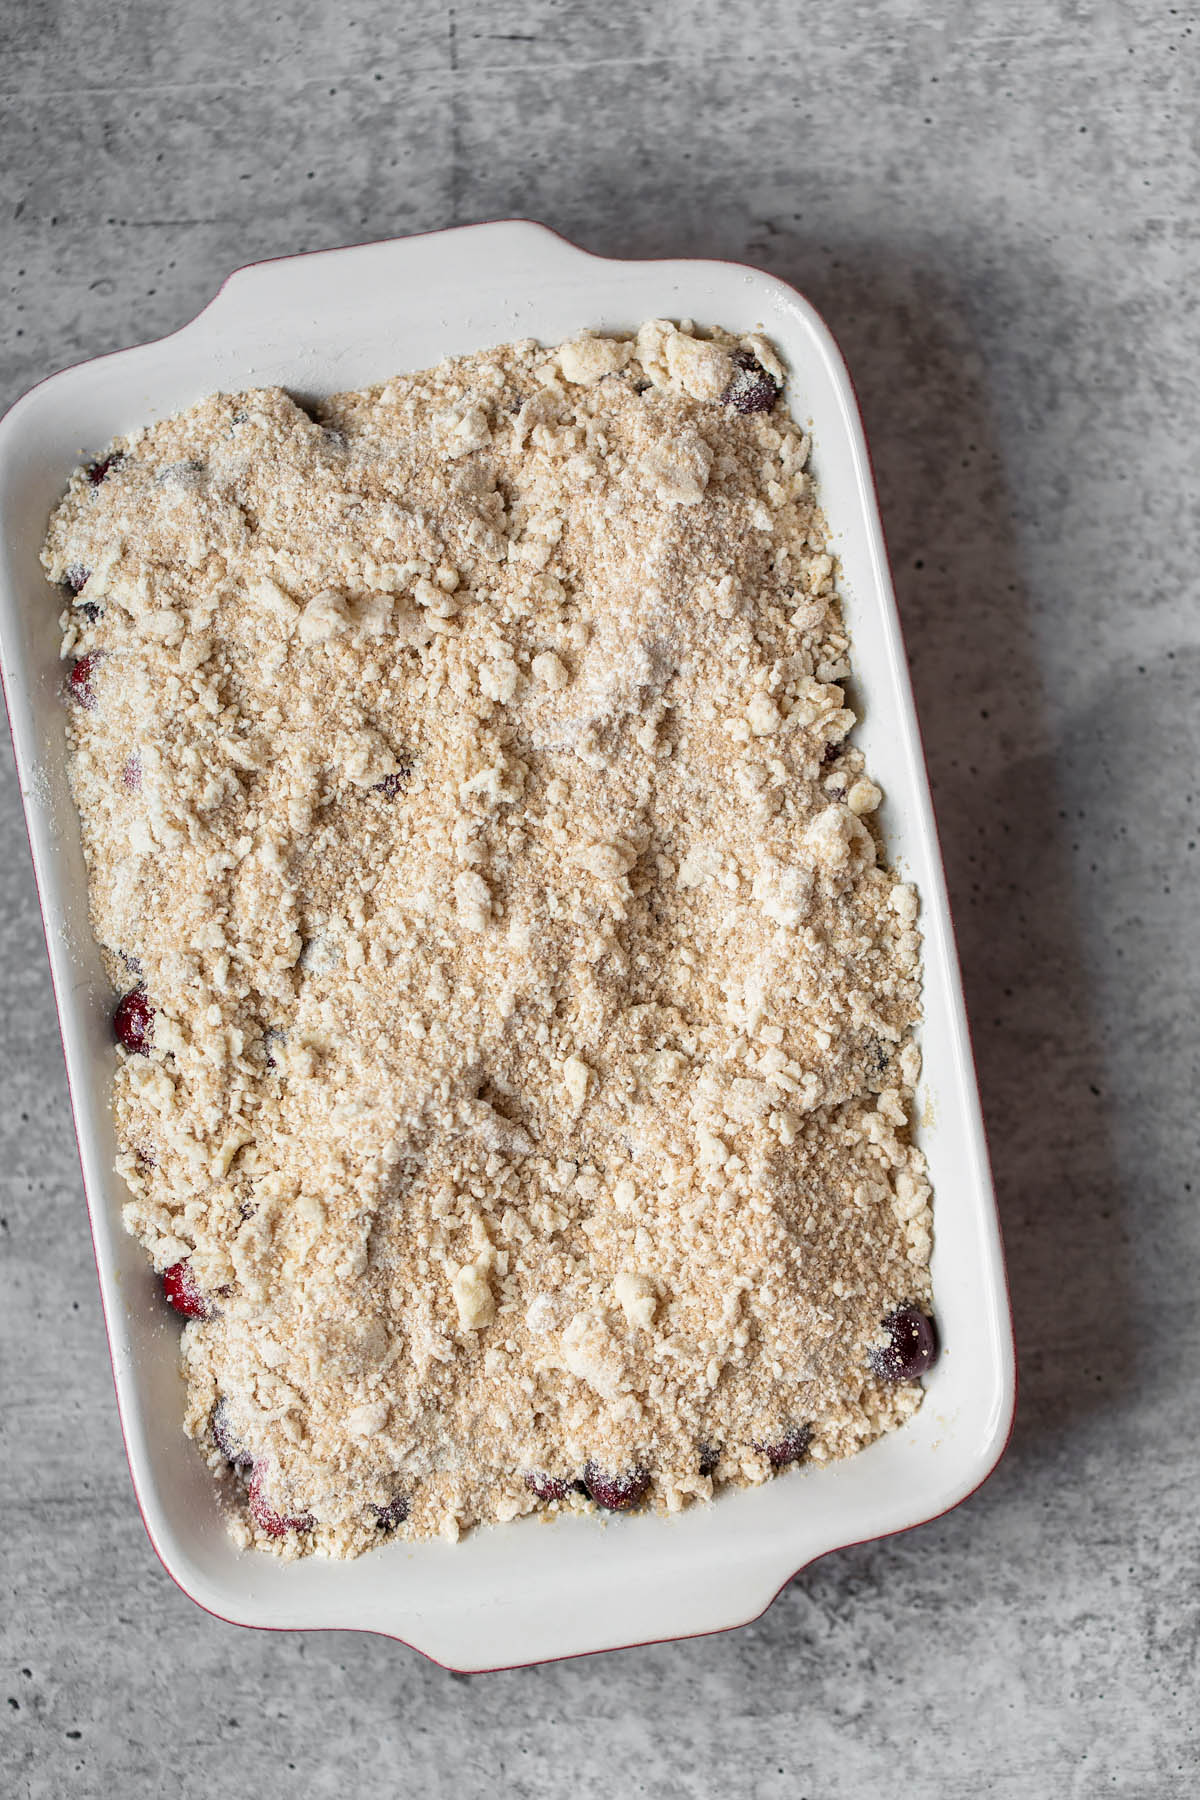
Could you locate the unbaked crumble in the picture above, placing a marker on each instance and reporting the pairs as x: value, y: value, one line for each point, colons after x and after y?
x: 516, y: 1036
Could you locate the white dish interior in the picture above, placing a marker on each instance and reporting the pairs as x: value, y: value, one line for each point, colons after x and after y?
x: 519, y: 1593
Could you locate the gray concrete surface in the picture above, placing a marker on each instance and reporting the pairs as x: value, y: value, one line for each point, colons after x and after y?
x: 996, y: 209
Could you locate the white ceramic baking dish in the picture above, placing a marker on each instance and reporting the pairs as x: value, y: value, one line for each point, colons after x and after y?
x: 531, y: 1590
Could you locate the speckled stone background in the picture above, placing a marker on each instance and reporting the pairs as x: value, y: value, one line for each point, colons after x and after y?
x: 996, y: 208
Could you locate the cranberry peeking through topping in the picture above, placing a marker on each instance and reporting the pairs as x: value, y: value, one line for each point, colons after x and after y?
x: 264, y: 1515
x: 388, y: 1517
x: 226, y: 1438
x: 81, y: 679
x: 752, y: 390
x: 131, y: 775
x: 76, y: 577
x: 912, y: 1349
x: 103, y: 467
x: 547, y: 1487
x: 710, y: 1456
x: 133, y: 1022
x: 787, y: 1449
x: 183, y: 1291
x: 616, y: 1491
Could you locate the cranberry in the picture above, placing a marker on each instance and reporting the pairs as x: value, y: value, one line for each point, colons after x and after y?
x: 618, y: 1492
x: 752, y: 390
x: 223, y: 1434
x: 397, y: 782
x: 264, y: 1514
x: 98, y: 470
x: 388, y: 1517
x: 181, y: 1288
x: 547, y: 1487
x: 131, y: 775
x: 226, y: 1438
x: 76, y: 577
x: 831, y: 752
x: 133, y: 1022
x: 710, y: 1456
x: 81, y: 679
x: 913, y: 1347
x: 787, y: 1449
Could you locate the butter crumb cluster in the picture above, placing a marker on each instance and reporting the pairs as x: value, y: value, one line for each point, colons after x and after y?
x: 465, y: 776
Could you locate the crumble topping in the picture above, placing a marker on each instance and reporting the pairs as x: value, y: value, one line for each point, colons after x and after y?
x: 525, y: 1055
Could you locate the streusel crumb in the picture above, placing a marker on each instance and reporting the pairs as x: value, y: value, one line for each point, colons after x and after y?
x: 518, y: 1077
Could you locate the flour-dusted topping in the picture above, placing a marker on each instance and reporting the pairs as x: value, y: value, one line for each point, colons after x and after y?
x: 522, y: 1063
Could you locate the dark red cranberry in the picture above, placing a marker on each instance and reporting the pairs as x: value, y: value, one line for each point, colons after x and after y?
x: 226, y: 1438
x: 264, y: 1514
x: 76, y: 577
x: 912, y: 1348
x: 388, y: 1517
x: 183, y: 1291
x: 133, y: 1022
x: 391, y: 785
x: 131, y: 775
x: 547, y: 1487
x: 831, y: 752
x: 81, y: 679
x: 89, y: 612
x: 98, y: 470
x: 752, y: 390
x: 710, y: 1456
x: 787, y: 1449
x: 618, y: 1492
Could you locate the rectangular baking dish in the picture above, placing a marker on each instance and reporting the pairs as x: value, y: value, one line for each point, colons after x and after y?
x: 535, y: 1589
